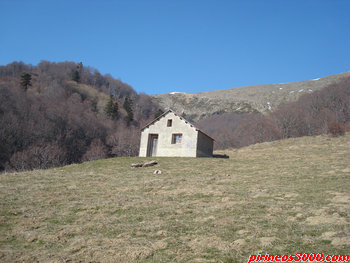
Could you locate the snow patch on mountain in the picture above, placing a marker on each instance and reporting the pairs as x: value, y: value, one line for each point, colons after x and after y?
x: 176, y: 92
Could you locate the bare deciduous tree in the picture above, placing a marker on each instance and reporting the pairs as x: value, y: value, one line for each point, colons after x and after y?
x: 97, y: 150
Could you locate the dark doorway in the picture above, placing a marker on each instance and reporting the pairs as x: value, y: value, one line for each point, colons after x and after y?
x: 152, y: 145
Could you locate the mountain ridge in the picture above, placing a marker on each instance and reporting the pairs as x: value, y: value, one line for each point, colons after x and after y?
x: 254, y: 98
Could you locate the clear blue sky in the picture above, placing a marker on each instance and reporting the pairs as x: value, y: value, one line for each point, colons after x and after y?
x: 182, y: 45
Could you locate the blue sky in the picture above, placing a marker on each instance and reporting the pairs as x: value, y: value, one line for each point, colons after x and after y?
x: 183, y: 45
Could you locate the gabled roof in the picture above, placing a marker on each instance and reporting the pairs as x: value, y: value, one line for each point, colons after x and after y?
x: 182, y: 118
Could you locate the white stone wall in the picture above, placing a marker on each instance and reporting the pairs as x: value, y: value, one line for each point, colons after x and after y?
x: 188, y: 145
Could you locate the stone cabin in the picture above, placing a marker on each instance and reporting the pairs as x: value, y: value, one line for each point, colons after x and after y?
x: 170, y: 135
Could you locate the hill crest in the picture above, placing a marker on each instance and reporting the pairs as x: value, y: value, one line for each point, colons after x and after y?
x: 255, y: 98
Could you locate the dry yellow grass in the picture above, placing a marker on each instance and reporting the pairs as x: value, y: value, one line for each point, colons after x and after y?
x: 282, y: 197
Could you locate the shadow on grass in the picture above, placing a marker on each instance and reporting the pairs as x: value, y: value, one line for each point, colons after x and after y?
x: 224, y: 156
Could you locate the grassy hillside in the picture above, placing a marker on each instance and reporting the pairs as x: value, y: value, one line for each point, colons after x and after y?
x: 283, y: 197
x: 257, y: 98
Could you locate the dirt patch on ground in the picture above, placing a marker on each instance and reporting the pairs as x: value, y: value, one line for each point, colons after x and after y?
x: 109, y: 250
x: 341, y: 198
x: 200, y: 243
x: 341, y: 242
x: 242, y: 232
x: 238, y: 243
x: 205, y: 219
x: 267, y: 241
x: 346, y: 170
x: 161, y: 244
x: 335, y: 213
x: 334, y: 219
x: 328, y: 235
x: 291, y: 195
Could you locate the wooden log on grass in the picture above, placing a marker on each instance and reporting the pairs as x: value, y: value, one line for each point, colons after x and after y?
x: 146, y: 164
x: 151, y: 163
x: 133, y: 165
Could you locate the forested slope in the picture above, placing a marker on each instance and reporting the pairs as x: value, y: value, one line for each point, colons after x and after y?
x: 60, y: 113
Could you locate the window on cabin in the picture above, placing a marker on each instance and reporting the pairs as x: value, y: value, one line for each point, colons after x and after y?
x: 176, y: 138
x: 170, y: 123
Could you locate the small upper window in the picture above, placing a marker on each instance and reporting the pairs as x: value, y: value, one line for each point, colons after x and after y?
x: 176, y: 139
x: 170, y: 123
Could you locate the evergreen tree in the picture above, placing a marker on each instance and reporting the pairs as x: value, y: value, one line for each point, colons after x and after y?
x: 128, y: 108
x: 94, y: 105
x: 111, y: 108
x: 76, y: 76
x: 26, y: 79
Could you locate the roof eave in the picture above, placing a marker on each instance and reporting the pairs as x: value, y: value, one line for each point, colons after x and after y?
x: 182, y: 118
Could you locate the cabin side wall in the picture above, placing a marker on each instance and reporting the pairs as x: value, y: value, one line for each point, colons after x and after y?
x: 205, y: 145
